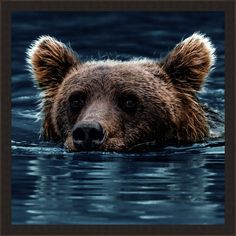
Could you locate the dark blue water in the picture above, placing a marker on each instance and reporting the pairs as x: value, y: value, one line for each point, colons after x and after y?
x: 175, y: 185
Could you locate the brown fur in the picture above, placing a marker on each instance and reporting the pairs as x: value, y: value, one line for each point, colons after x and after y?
x: 49, y: 61
x: 187, y: 65
x: 167, y: 108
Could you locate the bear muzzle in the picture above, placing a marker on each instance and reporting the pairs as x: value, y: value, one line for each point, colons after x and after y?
x: 88, y: 135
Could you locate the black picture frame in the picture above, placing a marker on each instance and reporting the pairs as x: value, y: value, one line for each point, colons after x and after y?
x: 8, y: 6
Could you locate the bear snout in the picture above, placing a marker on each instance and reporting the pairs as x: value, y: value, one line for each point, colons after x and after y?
x: 88, y: 135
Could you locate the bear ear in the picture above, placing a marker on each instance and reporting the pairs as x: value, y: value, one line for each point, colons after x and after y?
x: 190, y: 62
x: 49, y: 60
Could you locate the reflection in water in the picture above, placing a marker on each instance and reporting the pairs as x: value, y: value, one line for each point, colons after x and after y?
x: 174, y: 185
x: 127, y: 190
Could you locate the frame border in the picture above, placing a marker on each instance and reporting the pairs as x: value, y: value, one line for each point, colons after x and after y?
x: 7, y: 6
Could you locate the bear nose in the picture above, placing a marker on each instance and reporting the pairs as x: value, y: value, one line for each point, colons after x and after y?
x: 88, y: 135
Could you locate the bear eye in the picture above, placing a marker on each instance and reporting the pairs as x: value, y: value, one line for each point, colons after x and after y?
x: 128, y: 103
x: 77, y: 101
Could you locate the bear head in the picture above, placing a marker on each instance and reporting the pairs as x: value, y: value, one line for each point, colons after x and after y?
x: 119, y: 105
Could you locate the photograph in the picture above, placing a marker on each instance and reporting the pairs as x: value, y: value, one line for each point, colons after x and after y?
x: 117, y: 117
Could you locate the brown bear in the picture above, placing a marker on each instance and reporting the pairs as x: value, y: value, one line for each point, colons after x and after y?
x: 113, y: 105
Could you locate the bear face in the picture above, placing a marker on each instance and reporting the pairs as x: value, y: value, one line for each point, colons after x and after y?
x: 119, y: 105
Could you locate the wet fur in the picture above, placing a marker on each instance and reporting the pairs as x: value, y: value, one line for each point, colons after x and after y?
x: 168, y: 107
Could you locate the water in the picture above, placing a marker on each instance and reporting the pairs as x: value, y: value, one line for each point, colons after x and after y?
x: 175, y: 185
